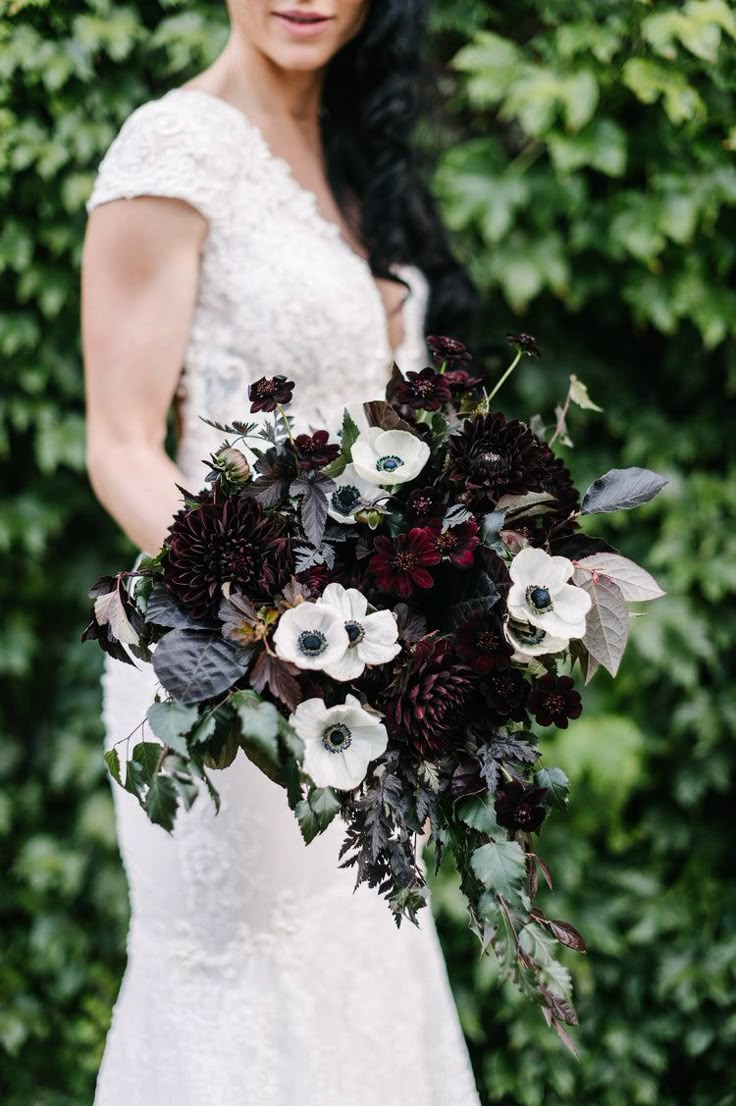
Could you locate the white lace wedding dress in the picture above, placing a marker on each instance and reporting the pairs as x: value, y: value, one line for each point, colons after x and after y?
x: 255, y: 976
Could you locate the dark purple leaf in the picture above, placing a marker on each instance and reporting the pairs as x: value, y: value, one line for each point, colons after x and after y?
x: 194, y: 665
x: 622, y: 489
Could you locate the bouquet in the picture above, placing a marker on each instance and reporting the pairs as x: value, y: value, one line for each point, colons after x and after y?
x: 383, y: 623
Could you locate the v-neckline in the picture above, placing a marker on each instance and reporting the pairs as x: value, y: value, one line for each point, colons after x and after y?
x: 328, y: 226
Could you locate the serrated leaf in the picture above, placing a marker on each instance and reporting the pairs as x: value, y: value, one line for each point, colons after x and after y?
x: 622, y: 489
x: 579, y: 395
x: 501, y: 868
x: 259, y: 721
x: 634, y: 582
x: 607, y: 623
x: 478, y: 812
x: 112, y: 760
x: 203, y: 730
x: 314, y: 505
x: 315, y: 813
x: 160, y: 802
x: 557, y: 786
x: 170, y: 721
x: 110, y: 611
x: 146, y: 756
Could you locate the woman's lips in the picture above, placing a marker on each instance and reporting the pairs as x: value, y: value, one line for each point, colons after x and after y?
x: 303, y: 24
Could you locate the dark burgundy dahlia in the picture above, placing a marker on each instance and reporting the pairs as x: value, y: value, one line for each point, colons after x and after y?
x: 401, y: 564
x: 519, y: 807
x: 433, y: 700
x: 225, y: 541
x: 423, y: 391
x: 480, y: 643
x: 553, y: 700
x: 492, y: 457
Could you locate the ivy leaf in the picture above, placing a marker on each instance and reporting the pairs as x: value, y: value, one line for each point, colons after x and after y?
x: 194, y: 666
x: 501, y: 868
x: 170, y: 721
x: 635, y: 583
x: 556, y: 784
x: 622, y: 489
x: 160, y: 803
x: 607, y: 623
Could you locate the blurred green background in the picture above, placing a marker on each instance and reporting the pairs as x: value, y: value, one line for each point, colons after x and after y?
x: 589, y: 180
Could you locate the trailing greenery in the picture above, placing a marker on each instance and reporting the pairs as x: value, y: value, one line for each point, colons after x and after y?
x: 590, y: 183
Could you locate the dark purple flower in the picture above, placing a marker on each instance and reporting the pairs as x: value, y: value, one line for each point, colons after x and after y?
x: 457, y: 543
x: 433, y: 699
x: 519, y: 807
x: 553, y: 700
x: 265, y: 394
x: 459, y: 381
x: 524, y: 343
x: 480, y: 642
x: 314, y: 451
x: 423, y: 391
x: 447, y: 350
x: 492, y: 457
x: 228, y: 541
x: 506, y: 692
x: 425, y: 506
x: 401, y: 564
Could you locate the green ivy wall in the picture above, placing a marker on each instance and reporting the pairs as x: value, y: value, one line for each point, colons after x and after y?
x: 590, y: 183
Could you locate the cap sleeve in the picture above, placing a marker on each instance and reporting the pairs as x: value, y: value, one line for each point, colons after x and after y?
x: 171, y: 146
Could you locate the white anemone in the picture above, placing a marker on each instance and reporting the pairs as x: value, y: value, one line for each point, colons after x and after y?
x: 349, y: 494
x: 389, y: 456
x: 530, y: 641
x: 373, y: 637
x: 311, y: 636
x: 540, y: 594
x: 339, y: 742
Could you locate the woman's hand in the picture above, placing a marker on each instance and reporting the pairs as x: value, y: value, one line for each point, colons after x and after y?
x: 140, y: 270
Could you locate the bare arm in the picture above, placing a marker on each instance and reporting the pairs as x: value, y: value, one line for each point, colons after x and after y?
x: 140, y: 269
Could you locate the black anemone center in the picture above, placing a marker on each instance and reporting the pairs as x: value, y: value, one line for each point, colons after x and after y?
x: 345, y: 499
x: 539, y: 597
x: 355, y: 632
x: 337, y: 738
x: 312, y: 643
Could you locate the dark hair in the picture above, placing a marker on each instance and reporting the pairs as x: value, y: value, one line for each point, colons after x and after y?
x: 371, y: 103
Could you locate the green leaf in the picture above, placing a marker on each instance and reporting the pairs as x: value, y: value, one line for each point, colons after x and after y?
x: 259, y: 721
x: 501, y: 868
x: 478, y: 812
x: 557, y: 785
x: 315, y: 813
x: 170, y: 721
x: 160, y: 802
x: 112, y: 760
x: 579, y: 395
x: 146, y: 755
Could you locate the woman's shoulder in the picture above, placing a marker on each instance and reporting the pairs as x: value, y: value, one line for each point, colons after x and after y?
x: 181, y: 144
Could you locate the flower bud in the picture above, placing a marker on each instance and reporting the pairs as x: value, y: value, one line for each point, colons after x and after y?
x: 233, y: 464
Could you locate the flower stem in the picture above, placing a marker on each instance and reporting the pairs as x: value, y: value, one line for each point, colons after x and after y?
x: 561, y: 418
x: 506, y: 375
x: 285, y: 418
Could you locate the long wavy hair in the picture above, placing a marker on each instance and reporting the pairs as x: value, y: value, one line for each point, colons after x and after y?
x: 372, y: 101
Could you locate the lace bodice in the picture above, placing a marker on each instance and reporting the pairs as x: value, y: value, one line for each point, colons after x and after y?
x: 255, y: 976
x: 280, y: 289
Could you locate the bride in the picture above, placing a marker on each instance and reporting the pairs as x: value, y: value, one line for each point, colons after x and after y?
x: 263, y: 218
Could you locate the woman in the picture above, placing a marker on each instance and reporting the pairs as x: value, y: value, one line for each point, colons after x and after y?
x: 229, y: 241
